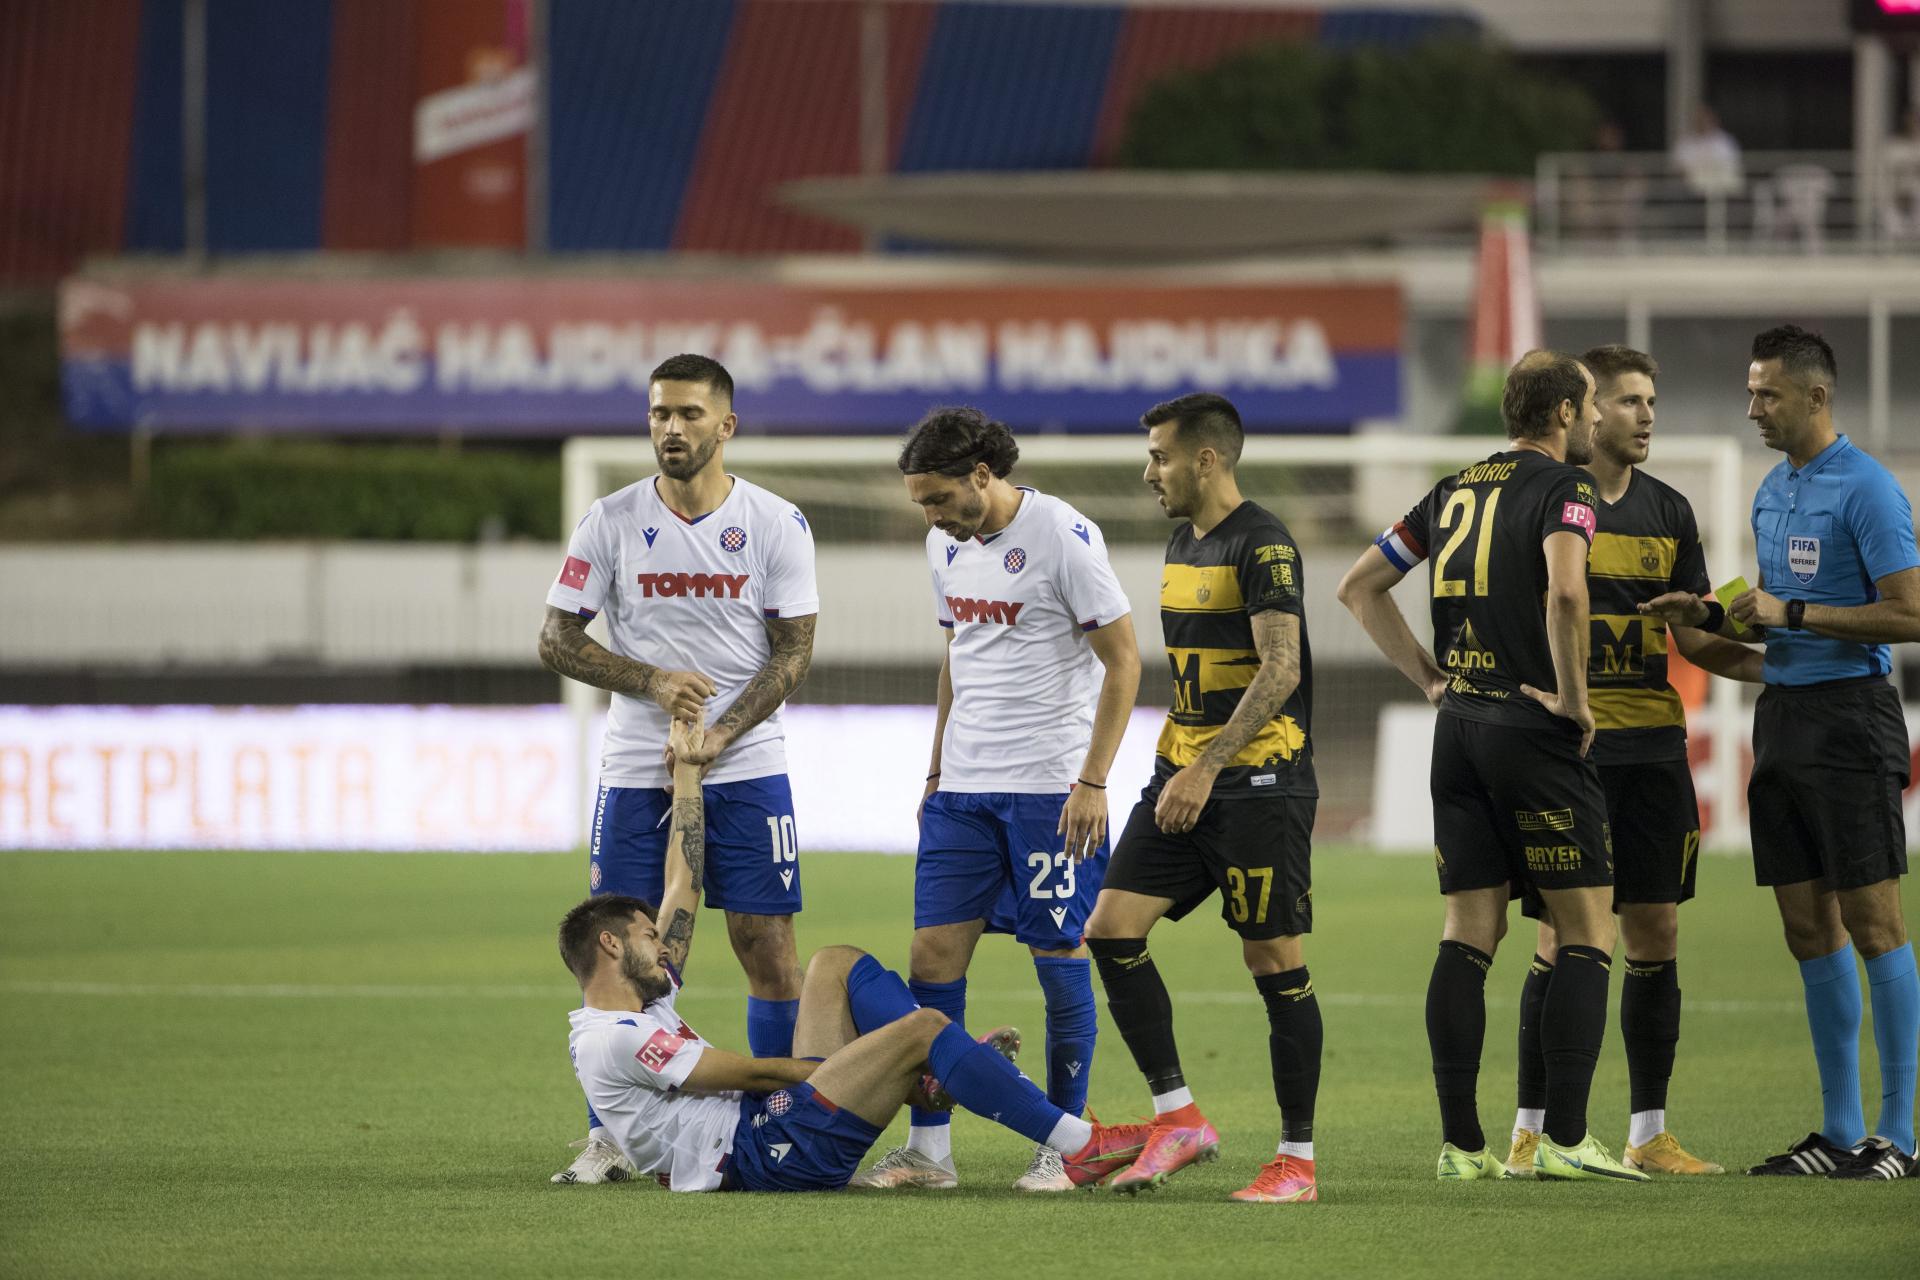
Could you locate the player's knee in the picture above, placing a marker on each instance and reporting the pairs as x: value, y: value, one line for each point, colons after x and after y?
x: 926, y: 1024
x: 834, y: 961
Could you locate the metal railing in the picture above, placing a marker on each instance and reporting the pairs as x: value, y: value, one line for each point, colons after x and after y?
x: 1799, y: 202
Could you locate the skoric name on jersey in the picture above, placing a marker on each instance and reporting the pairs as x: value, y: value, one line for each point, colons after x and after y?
x: 725, y: 586
x: 965, y: 610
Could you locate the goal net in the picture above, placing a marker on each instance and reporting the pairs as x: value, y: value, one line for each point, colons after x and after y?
x: 858, y: 729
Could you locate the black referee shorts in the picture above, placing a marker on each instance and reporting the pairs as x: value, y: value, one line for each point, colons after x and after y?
x: 1830, y: 762
x: 1516, y: 806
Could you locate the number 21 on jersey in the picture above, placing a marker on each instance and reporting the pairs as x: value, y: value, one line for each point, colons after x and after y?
x: 1457, y: 516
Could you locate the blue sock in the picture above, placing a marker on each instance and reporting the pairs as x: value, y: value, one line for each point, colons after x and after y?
x: 876, y: 995
x: 988, y: 1085
x: 1833, y: 1015
x: 949, y: 998
x: 593, y: 1121
x: 1072, y: 1023
x: 770, y: 1026
x: 1894, y: 985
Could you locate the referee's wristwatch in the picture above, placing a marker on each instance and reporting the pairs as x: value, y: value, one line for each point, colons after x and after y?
x: 1796, y: 614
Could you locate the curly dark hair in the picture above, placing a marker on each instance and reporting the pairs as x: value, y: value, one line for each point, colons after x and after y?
x: 952, y: 441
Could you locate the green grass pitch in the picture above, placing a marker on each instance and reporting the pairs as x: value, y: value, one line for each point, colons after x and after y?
x: 326, y: 1065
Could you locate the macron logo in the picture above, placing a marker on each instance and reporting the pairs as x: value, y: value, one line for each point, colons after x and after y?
x: 723, y: 586
x: 1001, y: 611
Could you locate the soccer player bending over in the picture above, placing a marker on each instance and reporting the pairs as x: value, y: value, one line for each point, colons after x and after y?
x: 1515, y: 796
x: 703, y: 1119
x: 1230, y: 806
x: 1013, y: 821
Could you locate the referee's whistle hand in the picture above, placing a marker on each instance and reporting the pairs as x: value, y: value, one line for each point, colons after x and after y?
x: 1581, y: 715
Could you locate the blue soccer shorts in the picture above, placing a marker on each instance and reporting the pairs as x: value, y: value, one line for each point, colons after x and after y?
x: 753, y: 855
x: 999, y: 857
x: 796, y: 1140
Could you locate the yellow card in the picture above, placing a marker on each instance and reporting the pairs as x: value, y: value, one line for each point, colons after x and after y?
x: 1726, y: 595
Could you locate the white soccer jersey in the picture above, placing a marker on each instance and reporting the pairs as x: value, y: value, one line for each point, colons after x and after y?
x: 689, y: 595
x: 1025, y: 678
x: 631, y: 1066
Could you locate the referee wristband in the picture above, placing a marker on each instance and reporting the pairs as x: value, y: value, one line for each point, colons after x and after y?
x: 1097, y: 786
x: 1716, y: 615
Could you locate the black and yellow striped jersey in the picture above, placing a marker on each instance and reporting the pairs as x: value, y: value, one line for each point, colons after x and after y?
x: 1645, y: 545
x: 1483, y: 533
x: 1209, y: 591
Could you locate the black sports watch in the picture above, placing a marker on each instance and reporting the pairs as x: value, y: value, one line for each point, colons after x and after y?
x: 1796, y: 612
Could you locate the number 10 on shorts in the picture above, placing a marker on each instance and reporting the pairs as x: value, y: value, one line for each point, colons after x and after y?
x: 783, y: 838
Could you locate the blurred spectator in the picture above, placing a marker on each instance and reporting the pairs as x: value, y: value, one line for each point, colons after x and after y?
x: 1708, y: 157
x: 1605, y: 195
x: 1900, y: 180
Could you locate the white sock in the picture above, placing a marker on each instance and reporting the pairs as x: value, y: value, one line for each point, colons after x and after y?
x: 1529, y: 1119
x: 1071, y: 1134
x: 1298, y: 1150
x: 1172, y: 1100
x: 1645, y: 1126
x: 598, y: 1133
x: 934, y: 1141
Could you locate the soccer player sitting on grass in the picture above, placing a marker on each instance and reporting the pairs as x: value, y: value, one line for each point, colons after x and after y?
x: 705, y: 1119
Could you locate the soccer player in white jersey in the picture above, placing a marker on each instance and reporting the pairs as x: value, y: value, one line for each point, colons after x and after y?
x: 702, y: 1119
x: 708, y: 585
x: 1013, y: 825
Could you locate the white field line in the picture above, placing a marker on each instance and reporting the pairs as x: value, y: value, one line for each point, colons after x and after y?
x: 563, y: 996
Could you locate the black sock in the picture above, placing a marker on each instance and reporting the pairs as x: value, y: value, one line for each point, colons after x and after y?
x: 1533, y: 1059
x: 1572, y: 1024
x: 1293, y: 1042
x: 1137, y: 998
x: 1650, y: 1024
x: 1456, y: 1028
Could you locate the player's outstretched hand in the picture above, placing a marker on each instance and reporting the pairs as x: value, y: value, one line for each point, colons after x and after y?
x: 1676, y: 609
x: 1083, y: 821
x: 1581, y: 715
x: 1182, y: 799
x: 681, y: 694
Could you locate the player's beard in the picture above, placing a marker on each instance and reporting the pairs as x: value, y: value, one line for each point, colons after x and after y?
x: 1580, y: 447
x: 687, y: 465
x: 652, y: 984
x: 968, y: 519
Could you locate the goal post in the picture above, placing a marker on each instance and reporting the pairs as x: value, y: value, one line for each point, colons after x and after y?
x: 877, y: 645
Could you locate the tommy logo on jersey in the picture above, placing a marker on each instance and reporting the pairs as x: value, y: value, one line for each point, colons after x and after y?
x: 574, y: 573
x: 724, y: 586
x: 733, y: 539
x: 1001, y: 611
x: 1015, y: 560
x: 1803, y: 557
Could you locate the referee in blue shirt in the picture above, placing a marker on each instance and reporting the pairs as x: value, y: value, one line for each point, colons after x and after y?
x: 1840, y: 582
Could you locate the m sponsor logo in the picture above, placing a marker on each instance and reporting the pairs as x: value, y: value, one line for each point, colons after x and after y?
x: 1544, y: 820
x: 1548, y: 858
x: 965, y: 609
x: 719, y: 586
x: 1080, y: 532
x: 953, y: 549
x: 651, y: 535
x: 1803, y: 557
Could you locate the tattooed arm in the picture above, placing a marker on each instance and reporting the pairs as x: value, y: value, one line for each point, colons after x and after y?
x: 778, y: 677
x: 566, y: 649
x: 686, y: 868
x: 1276, y: 637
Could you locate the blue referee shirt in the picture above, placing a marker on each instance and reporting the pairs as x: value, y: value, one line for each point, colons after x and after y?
x: 1825, y: 534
